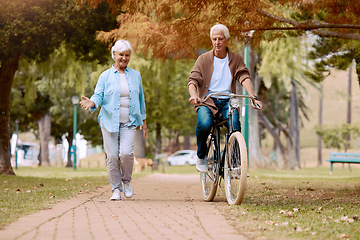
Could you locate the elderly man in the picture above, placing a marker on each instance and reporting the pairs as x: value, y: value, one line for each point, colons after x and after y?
x: 214, y: 72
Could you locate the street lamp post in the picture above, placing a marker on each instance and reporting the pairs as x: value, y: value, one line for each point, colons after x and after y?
x: 75, y: 101
x: 16, y: 145
x: 245, y: 110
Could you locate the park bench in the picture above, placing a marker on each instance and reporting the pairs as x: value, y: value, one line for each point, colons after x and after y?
x: 337, y: 157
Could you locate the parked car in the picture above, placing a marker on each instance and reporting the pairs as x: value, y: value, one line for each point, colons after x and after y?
x: 182, y: 157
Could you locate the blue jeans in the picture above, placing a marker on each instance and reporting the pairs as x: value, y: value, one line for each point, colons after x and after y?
x: 205, y: 120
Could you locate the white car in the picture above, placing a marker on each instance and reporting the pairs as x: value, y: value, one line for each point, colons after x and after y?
x: 182, y: 157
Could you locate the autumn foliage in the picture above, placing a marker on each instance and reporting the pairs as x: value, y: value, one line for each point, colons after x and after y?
x: 178, y: 28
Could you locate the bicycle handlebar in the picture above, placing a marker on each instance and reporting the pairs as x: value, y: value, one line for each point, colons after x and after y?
x: 232, y: 95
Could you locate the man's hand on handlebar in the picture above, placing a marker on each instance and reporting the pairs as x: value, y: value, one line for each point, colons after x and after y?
x: 257, y: 104
x: 194, y: 100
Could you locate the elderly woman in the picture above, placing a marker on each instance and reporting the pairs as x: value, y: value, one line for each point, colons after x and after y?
x: 119, y: 91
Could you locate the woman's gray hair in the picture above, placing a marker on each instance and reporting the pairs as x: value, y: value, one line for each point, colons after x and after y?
x: 120, y: 46
x: 220, y: 27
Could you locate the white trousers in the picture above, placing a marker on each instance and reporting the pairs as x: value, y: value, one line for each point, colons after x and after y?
x: 118, y: 148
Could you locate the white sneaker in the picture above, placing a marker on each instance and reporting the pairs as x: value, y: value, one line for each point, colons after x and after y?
x: 128, y: 191
x: 116, y: 195
x: 202, y: 165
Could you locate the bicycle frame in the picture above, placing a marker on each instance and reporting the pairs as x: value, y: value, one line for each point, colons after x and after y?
x: 228, y: 164
x: 218, y: 124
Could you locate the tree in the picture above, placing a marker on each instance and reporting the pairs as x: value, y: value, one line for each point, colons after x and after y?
x: 255, y: 153
x: 282, y: 66
x: 166, y: 98
x: 320, y: 122
x: 337, y: 136
x: 32, y: 30
x: 338, y: 54
x: 35, y: 103
x: 49, y: 88
x: 155, y: 26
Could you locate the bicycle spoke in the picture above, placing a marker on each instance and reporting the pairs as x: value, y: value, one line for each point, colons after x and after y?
x: 235, y: 169
x: 209, y: 180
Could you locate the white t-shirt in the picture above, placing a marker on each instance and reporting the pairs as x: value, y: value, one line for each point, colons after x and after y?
x: 124, y: 99
x: 221, y: 77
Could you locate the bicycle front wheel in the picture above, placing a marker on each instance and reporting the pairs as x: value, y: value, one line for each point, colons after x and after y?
x: 210, y: 179
x: 235, y: 169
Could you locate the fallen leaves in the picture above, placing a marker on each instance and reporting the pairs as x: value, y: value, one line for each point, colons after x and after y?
x: 344, y: 235
x: 288, y: 213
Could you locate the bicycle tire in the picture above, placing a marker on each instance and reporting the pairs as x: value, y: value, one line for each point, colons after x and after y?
x: 210, y: 179
x: 235, y: 169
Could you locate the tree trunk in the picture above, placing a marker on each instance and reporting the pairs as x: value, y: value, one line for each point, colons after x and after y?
x: 276, y: 136
x: 158, y: 138
x: 175, y: 144
x: 44, y: 124
x: 357, y: 67
x: 139, y: 147
x: 255, y: 153
x: 348, y: 116
x: 187, y: 143
x: 7, y: 72
x: 320, y: 125
x: 294, y: 140
x: 275, y: 155
x: 70, y: 140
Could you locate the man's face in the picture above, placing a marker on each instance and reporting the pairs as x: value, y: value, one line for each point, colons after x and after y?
x: 219, y: 41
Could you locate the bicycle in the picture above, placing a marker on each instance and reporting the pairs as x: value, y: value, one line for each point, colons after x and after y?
x: 229, y: 164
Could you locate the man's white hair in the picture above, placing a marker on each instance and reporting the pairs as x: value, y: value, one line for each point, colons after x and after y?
x: 120, y: 46
x: 220, y: 27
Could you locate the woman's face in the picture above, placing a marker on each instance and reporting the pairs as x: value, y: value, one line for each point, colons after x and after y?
x: 122, y: 59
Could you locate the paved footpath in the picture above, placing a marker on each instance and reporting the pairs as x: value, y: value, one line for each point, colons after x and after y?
x: 163, y: 207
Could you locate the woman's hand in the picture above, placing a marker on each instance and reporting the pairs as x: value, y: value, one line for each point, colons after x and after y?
x: 144, y: 128
x: 86, y: 103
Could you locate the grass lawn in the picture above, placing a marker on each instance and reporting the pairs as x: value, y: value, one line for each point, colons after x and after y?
x: 33, y: 189
x: 303, y: 204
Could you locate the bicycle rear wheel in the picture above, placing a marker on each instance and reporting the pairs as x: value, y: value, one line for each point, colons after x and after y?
x: 210, y: 179
x: 235, y: 169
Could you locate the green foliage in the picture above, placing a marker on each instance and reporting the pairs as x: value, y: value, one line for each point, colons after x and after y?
x: 39, y: 31
x: 36, y: 27
x: 30, y: 27
x: 166, y: 95
x: 48, y: 87
x: 337, y: 136
x: 283, y: 59
x: 330, y: 53
x: 283, y: 63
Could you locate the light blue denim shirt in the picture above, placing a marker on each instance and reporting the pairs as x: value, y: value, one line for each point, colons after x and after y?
x: 107, y: 94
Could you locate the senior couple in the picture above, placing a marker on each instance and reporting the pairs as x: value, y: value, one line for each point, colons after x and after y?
x: 119, y: 92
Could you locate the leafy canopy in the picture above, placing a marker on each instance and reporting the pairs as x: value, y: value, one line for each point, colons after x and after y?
x: 178, y: 28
